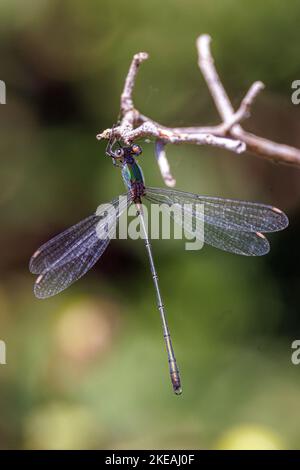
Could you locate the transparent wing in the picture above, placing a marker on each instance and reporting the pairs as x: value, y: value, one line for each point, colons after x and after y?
x: 63, y: 246
x: 68, y: 256
x: 227, y: 214
x: 234, y: 241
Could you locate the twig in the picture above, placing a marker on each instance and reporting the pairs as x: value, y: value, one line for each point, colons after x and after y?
x: 163, y: 163
x: 126, y: 97
x: 228, y: 135
x: 259, y: 146
x: 244, y: 110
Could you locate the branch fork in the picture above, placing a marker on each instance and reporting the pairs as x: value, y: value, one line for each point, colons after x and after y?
x: 229, y: 134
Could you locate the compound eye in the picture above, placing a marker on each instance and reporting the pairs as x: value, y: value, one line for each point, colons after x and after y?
x: 120, y: 152
x: 136, y: 149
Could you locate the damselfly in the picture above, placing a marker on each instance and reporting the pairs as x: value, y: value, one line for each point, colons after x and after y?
x: 230, y: 225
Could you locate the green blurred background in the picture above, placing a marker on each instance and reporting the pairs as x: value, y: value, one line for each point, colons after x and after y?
x: 87, y: 369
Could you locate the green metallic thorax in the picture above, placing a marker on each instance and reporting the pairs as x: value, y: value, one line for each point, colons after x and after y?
x: 132, y: 173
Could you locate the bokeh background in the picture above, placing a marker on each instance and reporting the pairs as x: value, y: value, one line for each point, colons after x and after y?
x: 87, y: 369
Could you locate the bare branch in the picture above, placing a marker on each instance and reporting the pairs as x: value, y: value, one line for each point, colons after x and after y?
x: 126, y: 96
x: 279, y: 153
x: 168, y: 135
x: 258, y: 145
x: 228, y: 135
x: 207, y: 67
x: 163, y: 163
x: 133, y: 125
x: 244, y: 110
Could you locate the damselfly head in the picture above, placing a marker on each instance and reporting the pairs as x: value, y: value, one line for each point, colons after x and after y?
x: 136, y: 149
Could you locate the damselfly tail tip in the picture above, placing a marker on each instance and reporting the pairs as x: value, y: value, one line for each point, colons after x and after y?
x: 175, y: 378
